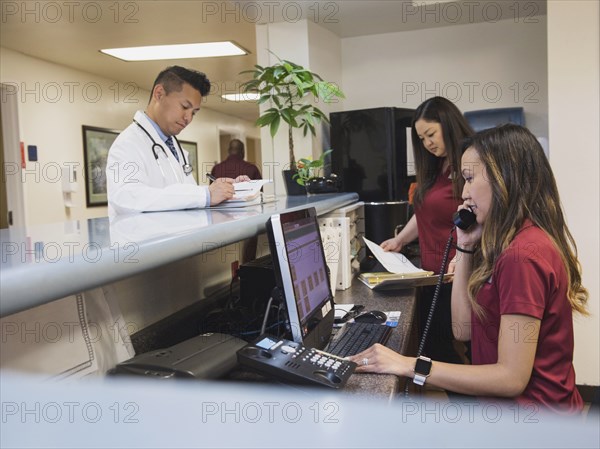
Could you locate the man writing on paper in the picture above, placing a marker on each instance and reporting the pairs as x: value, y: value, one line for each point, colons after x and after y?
x: 147, y: 170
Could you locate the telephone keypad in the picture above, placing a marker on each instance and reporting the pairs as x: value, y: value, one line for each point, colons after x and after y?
x: 310, y: 365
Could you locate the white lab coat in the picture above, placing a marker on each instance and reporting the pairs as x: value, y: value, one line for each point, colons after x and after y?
x: 135, y: 182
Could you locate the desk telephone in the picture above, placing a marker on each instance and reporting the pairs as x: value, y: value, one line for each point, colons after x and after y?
x: 291, y: 361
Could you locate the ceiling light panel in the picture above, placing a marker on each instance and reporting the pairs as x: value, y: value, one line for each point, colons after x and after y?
x: 178, y: 51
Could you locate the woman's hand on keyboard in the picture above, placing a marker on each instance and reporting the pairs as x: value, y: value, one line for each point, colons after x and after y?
x: 379, y: 359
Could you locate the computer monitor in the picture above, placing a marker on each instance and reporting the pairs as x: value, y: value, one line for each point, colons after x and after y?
x: 301, y: 275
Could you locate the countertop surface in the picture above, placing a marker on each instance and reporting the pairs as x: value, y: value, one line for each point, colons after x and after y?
x: 47, y: 262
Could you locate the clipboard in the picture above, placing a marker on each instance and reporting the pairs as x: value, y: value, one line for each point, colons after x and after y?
x: 392, y: 281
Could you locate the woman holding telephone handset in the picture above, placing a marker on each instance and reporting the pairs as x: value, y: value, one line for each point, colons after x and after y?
x: 517, y: 282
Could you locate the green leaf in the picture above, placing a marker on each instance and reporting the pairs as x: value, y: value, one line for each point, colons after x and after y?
x: 309, y: 118
x: 299, y: 85
x: 285, y: 115
x: 263, y: 99
x: 267, y: 119
x: 337, y: 91
x: 278, y: 72
x: 275, y: 126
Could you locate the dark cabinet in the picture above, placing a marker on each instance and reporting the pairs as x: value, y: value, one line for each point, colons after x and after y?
x: 370, y: 152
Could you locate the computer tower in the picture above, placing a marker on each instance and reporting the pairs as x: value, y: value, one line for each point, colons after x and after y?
x: 257, y: 281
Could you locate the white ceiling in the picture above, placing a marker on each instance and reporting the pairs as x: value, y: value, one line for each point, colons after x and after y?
x: 71, y: 33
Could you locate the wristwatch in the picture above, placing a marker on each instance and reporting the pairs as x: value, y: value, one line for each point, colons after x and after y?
x: 422, y: 370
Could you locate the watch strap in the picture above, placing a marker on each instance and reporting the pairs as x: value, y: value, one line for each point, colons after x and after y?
x: 419, y: 379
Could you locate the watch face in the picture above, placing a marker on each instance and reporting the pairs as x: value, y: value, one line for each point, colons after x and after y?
x: 423, y: 367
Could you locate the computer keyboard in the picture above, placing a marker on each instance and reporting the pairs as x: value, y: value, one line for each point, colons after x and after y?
x: 356, y: 337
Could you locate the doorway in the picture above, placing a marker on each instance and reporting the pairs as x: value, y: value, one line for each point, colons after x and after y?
x: 224, y: 139
x: 4, y: 219
x: 12, y: 198
x: 253, y: 153
x: 251, y: 145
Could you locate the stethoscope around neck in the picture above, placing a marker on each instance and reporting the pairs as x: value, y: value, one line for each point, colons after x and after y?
x: 187, y: 168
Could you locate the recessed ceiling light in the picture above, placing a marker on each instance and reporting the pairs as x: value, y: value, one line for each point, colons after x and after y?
x: 179, y: 51
x: 249, y: 96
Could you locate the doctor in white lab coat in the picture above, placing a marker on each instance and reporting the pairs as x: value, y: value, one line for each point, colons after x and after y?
x: 142, y: 173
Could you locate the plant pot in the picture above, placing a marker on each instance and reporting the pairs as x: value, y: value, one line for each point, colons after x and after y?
x: 291, y: 186
x: 321, y: 185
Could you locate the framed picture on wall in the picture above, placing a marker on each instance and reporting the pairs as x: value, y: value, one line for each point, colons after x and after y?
x: 192, y: 149
x: 96, y: 143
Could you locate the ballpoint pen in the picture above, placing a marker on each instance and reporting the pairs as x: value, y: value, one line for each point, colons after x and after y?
x: 213, y: 179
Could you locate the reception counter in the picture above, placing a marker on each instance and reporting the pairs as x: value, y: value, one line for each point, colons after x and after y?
x: 43, y: 263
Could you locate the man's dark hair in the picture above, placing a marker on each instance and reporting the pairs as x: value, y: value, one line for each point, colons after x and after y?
x: 236, y: 146
x: 173, y: 77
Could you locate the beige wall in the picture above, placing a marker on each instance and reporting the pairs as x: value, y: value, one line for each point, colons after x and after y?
x: 55, y: 101
x: 478, y: 66
x: 549, y: 66
x: 574, y: 115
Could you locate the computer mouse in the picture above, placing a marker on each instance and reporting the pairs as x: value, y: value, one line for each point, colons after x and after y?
x: 372, y: 317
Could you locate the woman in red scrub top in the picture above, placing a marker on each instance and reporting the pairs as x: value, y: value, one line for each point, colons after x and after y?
x: 438, y: 129
x: 516, y: 284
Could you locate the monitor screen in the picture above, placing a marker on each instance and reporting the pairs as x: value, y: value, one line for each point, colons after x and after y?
x: 301, y: 275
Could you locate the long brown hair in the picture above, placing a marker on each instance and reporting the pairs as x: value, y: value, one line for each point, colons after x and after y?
x: 523, y: 186
x: 455, y: 129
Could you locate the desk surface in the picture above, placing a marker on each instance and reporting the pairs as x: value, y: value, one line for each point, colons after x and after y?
x: 47, y: 262
x: 367, y: 386
x: 381, y: 385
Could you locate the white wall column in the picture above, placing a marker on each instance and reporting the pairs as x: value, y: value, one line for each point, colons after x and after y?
x: 318, y: 50
x: 574, y: 138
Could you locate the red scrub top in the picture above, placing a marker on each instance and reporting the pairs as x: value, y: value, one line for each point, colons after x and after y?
x: 530, y: 279
x: 434, y: 222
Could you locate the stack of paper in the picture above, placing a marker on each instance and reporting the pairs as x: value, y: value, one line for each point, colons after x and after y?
x: 248, y: 190
x: 395, y: 262
x: 401, y: 272
x: 247, y: 193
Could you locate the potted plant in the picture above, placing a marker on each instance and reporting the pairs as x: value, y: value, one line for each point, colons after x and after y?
x: 309, y: 174
x: 288, y: 86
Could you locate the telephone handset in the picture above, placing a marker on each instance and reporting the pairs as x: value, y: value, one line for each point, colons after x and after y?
x: 292, y: 362
x: 464, y: 219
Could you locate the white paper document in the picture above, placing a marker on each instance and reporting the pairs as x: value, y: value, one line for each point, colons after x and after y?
x: 248, y: 190
x: 341, y: 310
x: 393, y: 262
